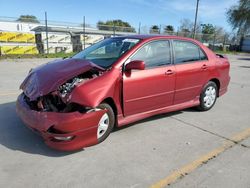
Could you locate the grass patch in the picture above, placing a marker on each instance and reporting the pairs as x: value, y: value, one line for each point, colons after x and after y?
x: 229, y: 52
x: 225, y: 52
x: 24, y: 56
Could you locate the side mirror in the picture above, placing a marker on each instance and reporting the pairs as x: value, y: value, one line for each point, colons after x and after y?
x: 137, y: 64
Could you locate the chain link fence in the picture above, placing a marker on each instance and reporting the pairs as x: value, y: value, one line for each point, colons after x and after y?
x: 37, y: 37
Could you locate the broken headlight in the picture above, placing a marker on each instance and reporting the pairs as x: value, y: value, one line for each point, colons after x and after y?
x: 69, y: 86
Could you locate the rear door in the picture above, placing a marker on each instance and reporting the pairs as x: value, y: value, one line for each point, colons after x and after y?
x: 192, y: 66
x: 152, y: 88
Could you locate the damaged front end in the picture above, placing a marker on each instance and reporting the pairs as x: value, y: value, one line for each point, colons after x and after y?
x: 59, y: 100
x: 46, y: 108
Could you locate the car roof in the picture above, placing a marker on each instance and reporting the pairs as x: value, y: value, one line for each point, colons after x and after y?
x: 140, y: 36
x: 145, y: 37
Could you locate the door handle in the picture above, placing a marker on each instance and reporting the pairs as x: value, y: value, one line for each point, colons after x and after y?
x: 204, y: 67
x: 169, y: 72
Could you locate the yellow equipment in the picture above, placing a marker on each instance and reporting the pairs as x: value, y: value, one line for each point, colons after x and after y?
x: 17, y: 37
x: 18, y: 50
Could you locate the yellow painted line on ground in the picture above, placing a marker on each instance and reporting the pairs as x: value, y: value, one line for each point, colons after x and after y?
x: 9, y: 93
x: 183, y: 171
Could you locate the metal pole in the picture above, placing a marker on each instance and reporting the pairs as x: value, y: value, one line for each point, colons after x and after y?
x: 195, y: 20
x: 214, y: 41
x: 160, y: 29
x: 139, y: 30
x: 47, y: 38
x: 83, y: 25
x: 114, y: 29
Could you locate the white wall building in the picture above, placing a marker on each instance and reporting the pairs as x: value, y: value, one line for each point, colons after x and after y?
x: 61, y: 38
x: 17, y: 26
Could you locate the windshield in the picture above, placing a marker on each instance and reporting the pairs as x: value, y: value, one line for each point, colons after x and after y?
x: 106, y: 52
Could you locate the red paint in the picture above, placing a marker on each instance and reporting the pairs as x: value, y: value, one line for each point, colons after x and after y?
x: 137, y: 94
x: 152, y: 89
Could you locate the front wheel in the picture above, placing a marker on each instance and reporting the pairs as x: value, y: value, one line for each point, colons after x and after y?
x: 208, y: 96
x: 106, y: 123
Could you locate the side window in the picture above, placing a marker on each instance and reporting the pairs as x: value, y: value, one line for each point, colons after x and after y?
x: 202, y: 55
x: 154, y: 54
x: 187, y: 52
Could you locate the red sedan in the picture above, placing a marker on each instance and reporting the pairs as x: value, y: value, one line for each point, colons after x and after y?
x: 76, y: 102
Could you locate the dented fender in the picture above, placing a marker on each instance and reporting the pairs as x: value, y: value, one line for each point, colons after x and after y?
x: 92, y: 93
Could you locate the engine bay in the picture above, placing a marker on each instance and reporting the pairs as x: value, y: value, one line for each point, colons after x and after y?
x: 58, y: 101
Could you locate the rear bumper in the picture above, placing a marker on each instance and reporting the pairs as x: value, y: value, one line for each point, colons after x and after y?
x: 82, y: 128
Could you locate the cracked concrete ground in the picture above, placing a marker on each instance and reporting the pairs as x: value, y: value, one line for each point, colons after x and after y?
x: 136, y: 156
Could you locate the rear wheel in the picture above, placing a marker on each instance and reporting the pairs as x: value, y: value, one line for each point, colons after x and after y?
x: 208, y: 96
x: 106, y: 123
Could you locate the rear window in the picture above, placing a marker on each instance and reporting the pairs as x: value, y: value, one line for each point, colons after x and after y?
x: 187, y: 52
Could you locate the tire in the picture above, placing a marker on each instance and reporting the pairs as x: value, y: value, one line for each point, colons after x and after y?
x: 107, y: 119
x: 208, y: 96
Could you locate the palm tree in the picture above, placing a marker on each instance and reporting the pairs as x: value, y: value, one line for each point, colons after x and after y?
x: 239, y: 16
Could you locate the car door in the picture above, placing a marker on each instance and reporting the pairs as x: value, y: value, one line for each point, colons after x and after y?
x: 191, y: 66
x: 152, y: 88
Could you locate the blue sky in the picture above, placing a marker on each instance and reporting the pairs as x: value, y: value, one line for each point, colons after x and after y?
x: 147, y: 12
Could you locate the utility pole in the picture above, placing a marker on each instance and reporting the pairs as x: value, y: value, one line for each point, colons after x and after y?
x: 83, y: 25
x: 195, y: 20
x: 113, y: 28
x: 139, y: 29
x: 46, y: 27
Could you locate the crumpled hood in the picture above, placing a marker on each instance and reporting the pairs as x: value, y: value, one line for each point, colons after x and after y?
x: 47, y: 78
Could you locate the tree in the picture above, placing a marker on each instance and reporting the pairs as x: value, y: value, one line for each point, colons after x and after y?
x: 220, y: 34
x: 187, y: 27
x: 239, y: 16
x: 169, y: 29
x: 28, y: 18
x: 208, y: 31
x: 117, y: 25
x: 154, y: 29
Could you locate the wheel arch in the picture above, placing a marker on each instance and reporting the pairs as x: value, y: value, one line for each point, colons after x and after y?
x: 111, y: 102
x: 217, y: 82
